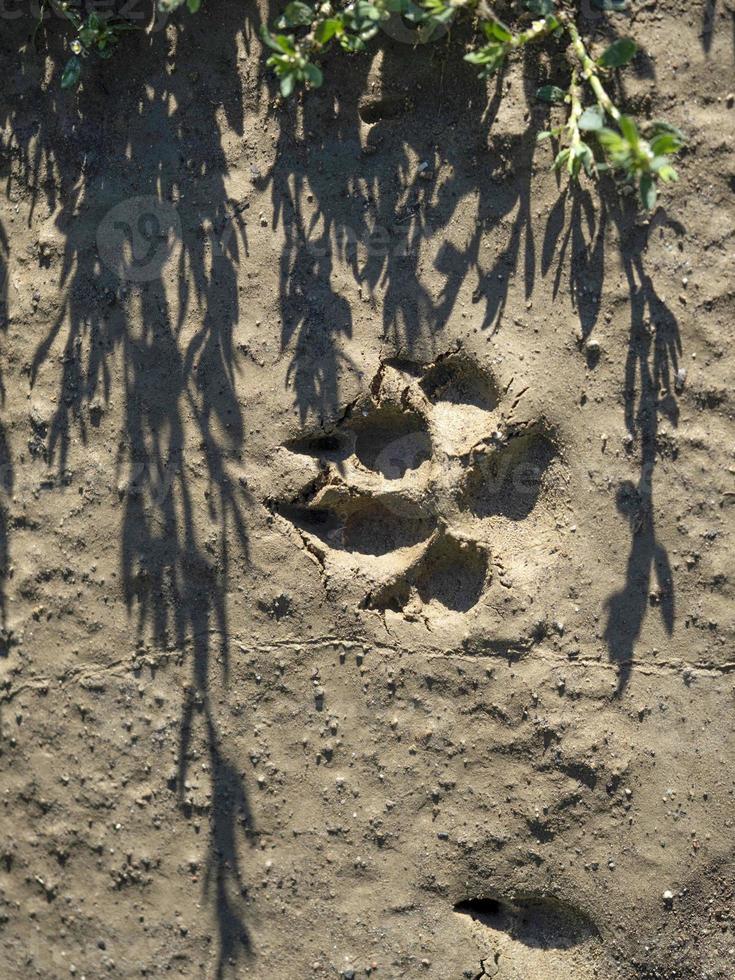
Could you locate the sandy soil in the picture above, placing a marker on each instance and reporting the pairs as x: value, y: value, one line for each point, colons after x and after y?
x: 367, y: 522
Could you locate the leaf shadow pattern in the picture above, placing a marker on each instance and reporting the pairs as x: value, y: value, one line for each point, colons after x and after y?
x: 709, y: 24
x: 578, y: 233
x: 326, y: 217
x: 175, y: 580
x: 654, y: 348
x: 653, y: 351
x: 183, y: 510
x: 352, y: 202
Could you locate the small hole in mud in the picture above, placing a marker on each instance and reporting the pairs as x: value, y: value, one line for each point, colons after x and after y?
x: 372, y: 110
x: 316, y: 517
x: 452, y: 574
x: 489, y: 908
x: 315, y: 520
x: 369, y: 528
x: 537, y: 922
x: 391, y: 441
x: 324, y: 444
x: 321, y: 445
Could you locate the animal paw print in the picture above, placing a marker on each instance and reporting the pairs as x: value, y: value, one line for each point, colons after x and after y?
x: 433, y: 491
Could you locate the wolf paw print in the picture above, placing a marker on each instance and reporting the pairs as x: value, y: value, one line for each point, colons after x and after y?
x: 434, y: 490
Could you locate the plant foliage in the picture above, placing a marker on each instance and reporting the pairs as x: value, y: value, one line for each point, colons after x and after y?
x: 596, y: 135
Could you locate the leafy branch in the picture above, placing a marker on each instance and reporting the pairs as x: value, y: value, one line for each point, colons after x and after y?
x: 95, y: 34
x: 596, y: 137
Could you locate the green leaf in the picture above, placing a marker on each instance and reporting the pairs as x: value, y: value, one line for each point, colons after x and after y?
x: 313, y: 75
x: 592, y: 119
x: 665, y: 138
x: 659, y: 126
x: 562, y: 157
x: 618, y: 54
x: 490, y: 58
x: 367, y: 11
x: 283, y: 43
x: 545, y: 134
x: 274, y: 42
x: 550, y: 93
x: 287, y: 84
x: 412, y: 13
x: 665, y: 143
x: 648, y: 191
x: 587, y: 159
x: 72, y: 71
x: 326, y: 30
x: 351, y: 43
x: 296, y: 14
x: 193, y: 5
x: 496, y: 29
x: 629, y: 131
x: 664, y: 170
x: 541, y: 7
x: 612, y: 141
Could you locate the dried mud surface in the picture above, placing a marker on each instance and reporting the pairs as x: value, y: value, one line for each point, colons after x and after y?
x: 367, y: 521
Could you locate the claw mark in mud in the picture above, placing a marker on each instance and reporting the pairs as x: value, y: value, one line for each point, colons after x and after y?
x: 417, y: 489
